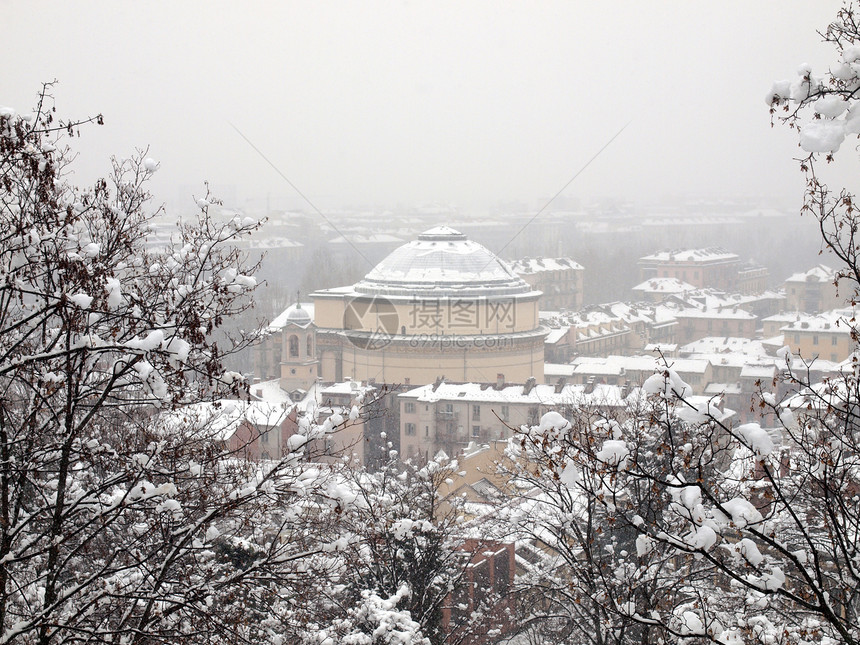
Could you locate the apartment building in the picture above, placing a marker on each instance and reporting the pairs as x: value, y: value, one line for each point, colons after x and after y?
x: 559, y: 279
x: 450, y: 416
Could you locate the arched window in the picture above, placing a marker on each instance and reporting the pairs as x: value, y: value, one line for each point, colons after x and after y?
x: 310, y: 346
x: 294, y: 346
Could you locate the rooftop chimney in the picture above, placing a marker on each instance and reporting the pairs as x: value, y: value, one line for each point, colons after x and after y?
x: 529, y: 386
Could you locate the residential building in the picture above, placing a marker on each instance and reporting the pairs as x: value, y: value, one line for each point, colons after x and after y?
x: 708, y: 267
x: 450, y: 416
x: 814, y: 290
x: 558, y: 279
x: 827, y: 336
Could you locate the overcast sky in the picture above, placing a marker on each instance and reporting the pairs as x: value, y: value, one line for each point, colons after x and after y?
x: 389, y: 103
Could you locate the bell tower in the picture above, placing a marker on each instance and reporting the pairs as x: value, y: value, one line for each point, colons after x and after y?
x: 299, y: 362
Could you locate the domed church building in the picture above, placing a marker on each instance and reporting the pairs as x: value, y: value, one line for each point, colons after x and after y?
x: 441, y: 305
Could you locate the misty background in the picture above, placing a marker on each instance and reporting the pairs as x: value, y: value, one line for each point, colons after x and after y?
x: 394, y: 117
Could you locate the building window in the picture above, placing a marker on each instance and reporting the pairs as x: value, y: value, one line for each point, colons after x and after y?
x: 409, y: 407
x: 426, y: 431
x: 294, y: 346
x: 449, y: 408
x: 310, y: 346
x: 476, y: 412
x: 410, y: 428
x: 476, y: 431
x: 815, y: 340
x: 506, y: 411
x: 833, y: 341
x: 797, y: 339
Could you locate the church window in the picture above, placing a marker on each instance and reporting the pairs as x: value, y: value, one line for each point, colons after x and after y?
x: 294, y: 346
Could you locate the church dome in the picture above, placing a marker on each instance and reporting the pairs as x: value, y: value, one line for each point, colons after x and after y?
x: 442, y: 262
x: 298, y: 316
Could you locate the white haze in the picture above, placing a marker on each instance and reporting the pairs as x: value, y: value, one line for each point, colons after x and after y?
x: 474, y: 103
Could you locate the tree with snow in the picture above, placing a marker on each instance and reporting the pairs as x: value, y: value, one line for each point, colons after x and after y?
x: 713, y: 531
x: 825, y: 110
x: 407, y: 556
x: 122, y: 519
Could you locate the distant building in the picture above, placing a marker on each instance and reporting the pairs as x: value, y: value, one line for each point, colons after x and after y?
x: 611, y: 328
x: 559, y: 279
x: 709, y: 267
x: 752, y: 278
x: 827, y: 335
x: 695, y: 323
x: 656, y: 289
x: 761, y: 304
x: 814, y: 290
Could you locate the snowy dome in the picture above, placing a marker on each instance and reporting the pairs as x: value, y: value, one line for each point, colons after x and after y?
x: 296, y: 314
x: 442, y: 262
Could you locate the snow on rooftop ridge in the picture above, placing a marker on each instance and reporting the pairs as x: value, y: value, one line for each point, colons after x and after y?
x: 664, y: 285
x: 819, y: 272
x: 537, y: 265
x: 834, y: 321
x: 709, y: 254
x: 438, y: 233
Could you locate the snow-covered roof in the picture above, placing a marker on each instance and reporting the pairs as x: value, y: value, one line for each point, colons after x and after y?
x: 608, y: 313
x: 725, y: 345
x: 665, y: 348
x: 555, y: 335
x: 836, y: 321
x: 222, y: 418
x: 728, y: 314
x: 818, y: 273
x: 714, y: 389
x: 759, y: 371
x: 713, y: 299
x: 614, y: 364
x: 300, y: 314
x: 602, y: 395
x: 664, y: 285
x: 710, y: 254
x: 527, y: 266
x: 442, y: 262
x: 353, y: 388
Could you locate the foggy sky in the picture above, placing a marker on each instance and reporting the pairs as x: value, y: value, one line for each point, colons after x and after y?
x: 387, y: 103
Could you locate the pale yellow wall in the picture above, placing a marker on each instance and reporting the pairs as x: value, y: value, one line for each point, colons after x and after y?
x: 328, y: 313
x: 390, y: 366
x: 452, y: 316
x: 804, y: 343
